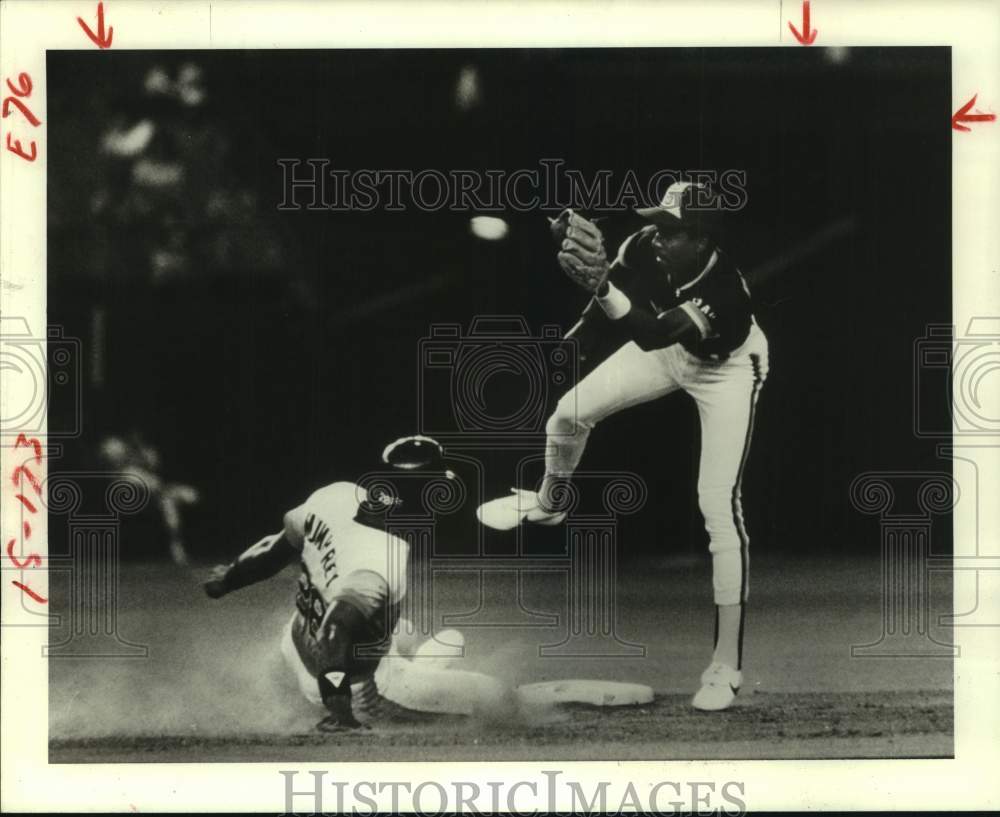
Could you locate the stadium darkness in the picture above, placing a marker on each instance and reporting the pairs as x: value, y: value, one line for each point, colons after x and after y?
x: 264, y: 353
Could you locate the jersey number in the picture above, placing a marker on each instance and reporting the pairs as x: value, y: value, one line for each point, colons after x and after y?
x: 310, y: 604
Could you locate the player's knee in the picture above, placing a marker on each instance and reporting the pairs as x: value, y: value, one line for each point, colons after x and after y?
x: 714, y: 500
x: 566, y: 419
x: 559, y: 423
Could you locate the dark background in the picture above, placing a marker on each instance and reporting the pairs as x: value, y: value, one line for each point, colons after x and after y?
x: 264, y: 353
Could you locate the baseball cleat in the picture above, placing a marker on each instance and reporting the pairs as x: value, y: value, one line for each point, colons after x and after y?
x: 719, y: 685
x: 332, y: 724
x: 508, y: 512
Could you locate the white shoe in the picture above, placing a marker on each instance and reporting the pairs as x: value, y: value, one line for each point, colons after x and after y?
x: 719, y: 685
x: 508, y: 512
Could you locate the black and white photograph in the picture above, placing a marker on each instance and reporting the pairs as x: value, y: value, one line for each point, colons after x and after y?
x: 526, y: 403
x: 532, y: 403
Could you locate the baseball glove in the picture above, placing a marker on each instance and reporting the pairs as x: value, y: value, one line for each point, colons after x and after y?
x: 581, y: 250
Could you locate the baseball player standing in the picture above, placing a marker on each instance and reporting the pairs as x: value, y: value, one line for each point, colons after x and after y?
x: 683, y: 314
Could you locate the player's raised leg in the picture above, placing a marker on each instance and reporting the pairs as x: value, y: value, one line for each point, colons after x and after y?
x: 727, y: 396
x: 627, y: 378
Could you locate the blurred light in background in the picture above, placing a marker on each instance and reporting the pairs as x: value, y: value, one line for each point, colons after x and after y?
x: 837, y: 54
x: 489, y: 228
x: 157, y: 81
x: 129, y: 142
x: 189, y: 85
x: 468, y: 92
x: 156, y: 173
x: 188, y: 88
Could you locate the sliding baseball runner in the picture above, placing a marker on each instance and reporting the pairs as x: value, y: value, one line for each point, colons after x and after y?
x: 352, y: 578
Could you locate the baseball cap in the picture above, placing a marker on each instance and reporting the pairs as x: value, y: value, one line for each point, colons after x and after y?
x: 677, y: 209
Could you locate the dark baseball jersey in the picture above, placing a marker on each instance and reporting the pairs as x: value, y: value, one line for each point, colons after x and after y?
x: 716, y: 297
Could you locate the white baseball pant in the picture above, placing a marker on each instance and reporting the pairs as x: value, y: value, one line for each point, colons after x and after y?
x: 423, y: 685
x: 726, y: 395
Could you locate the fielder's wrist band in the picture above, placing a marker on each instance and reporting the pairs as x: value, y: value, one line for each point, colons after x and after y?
x: 699, y: 320
x: 615, y: 304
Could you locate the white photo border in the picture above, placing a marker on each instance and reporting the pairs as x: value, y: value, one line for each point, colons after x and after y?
x: 972, y: 29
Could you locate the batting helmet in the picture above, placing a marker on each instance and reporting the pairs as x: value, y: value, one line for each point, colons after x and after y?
x: 408, y: 467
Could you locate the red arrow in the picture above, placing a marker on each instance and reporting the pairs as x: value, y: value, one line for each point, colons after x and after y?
x: 963, y: 115
x: 807, y: 37
x: 99, y: 39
